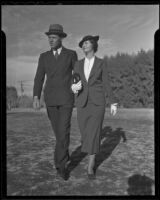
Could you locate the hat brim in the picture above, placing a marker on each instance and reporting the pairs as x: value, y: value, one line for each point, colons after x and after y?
x: 96, y: 38
x: 56, y: 33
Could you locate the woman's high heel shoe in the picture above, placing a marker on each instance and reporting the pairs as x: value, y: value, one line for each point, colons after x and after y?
x: 92, y: 175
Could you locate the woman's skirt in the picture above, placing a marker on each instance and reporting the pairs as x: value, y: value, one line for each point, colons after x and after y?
x: 90, y: 119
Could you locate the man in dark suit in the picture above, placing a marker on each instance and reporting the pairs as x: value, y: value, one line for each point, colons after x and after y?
x: 57, y: 64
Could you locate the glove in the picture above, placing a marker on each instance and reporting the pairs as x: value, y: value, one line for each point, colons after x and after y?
x: 76, y: 87
x: 113, y: 109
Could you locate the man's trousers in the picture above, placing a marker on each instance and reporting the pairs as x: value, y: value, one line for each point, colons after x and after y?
x: 60, y: 117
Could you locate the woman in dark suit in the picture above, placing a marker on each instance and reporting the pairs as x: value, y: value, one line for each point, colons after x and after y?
x: 90, y: 92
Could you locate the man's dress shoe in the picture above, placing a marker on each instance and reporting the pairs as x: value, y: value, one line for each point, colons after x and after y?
x: 63, y: 172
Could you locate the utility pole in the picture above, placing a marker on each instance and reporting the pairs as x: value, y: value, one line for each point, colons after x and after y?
x: 22, y: 84
x: 22, y: 88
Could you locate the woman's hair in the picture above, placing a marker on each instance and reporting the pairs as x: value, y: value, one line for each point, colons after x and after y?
x: 95, y: 45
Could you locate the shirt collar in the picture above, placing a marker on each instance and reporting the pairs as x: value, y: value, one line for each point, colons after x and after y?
x: 91, y: 59
x: 59, y: 50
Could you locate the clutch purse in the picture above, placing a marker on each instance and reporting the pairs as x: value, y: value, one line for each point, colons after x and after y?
x: 76, y: 78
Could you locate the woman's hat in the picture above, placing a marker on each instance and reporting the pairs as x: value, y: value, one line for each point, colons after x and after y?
x: 88, y: 37
x: 56, y: 29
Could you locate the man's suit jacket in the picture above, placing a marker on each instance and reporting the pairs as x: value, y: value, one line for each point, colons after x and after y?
x: 58, y: 73
x: 98, y: 85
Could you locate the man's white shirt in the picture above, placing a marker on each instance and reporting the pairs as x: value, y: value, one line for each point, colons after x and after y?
x: 58, y: 51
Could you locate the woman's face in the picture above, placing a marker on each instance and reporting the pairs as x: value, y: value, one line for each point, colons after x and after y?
x: 87, y: 46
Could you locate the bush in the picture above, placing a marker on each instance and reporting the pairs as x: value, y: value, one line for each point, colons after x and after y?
x: 12, y: 97
x: 25, y: 102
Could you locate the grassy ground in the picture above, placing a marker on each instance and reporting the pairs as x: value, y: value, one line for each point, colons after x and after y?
x: 127, y: 149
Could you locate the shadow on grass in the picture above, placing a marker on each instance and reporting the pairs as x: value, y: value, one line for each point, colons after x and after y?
x: 109, y: 139
x: 75, y: 158
x: 140, y: 185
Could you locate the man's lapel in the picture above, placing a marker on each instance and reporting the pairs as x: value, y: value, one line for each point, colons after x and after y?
x: 60, y: 56
x: 51, y: 57
x: 55, y: 63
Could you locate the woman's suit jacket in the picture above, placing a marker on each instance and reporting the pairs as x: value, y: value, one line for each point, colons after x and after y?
x: 98, y: 85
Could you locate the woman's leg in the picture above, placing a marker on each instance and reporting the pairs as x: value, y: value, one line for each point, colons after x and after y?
x: 91, y: 163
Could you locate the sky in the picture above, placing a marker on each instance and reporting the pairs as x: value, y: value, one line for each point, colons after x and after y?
x: 121, y: 28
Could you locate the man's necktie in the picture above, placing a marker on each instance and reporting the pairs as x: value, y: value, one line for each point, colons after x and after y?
x: 56, y: 54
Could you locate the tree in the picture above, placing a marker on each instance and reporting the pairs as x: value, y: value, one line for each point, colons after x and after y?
x: 132, y: 78
x: 12, y: 97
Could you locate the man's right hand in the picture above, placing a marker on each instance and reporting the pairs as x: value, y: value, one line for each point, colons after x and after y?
x: 36, y: 103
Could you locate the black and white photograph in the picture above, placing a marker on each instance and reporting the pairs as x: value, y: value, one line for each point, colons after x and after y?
x: 80, y: 99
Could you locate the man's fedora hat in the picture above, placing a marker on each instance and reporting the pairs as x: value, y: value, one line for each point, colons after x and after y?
x: 56, y: 29
x: 88, y: 37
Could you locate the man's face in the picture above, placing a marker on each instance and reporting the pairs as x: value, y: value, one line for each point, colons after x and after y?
x: 54, y: 41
